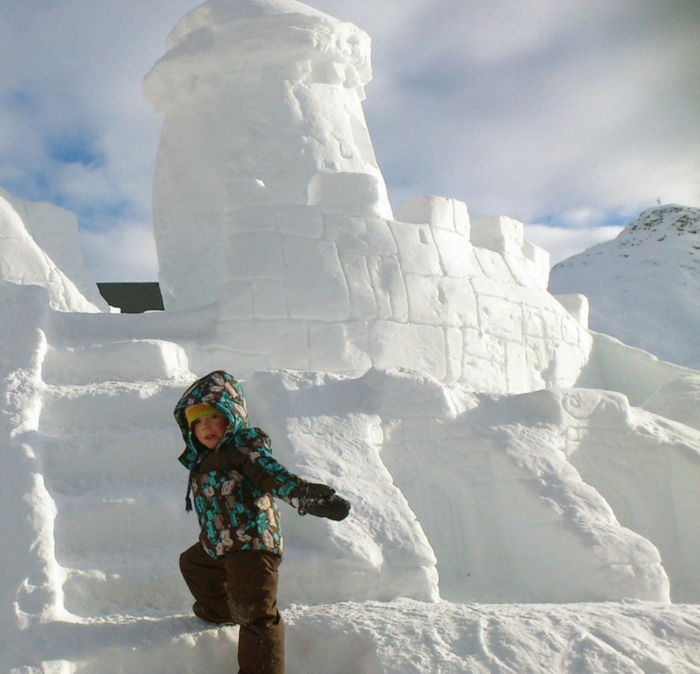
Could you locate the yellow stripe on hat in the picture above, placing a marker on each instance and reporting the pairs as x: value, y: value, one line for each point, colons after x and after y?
x: 194, y: 412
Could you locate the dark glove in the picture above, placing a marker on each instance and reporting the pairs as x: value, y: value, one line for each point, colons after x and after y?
x: 321, y: 501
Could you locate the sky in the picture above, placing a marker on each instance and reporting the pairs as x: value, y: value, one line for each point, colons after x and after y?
x: 570, y: 116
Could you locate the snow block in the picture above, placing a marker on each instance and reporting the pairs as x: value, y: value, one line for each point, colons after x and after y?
x: 482, y: 359
x: 135, y: 360
x: 501, y: 318
x: 439, y: 212
x: 577, y: 306
x: 316, y: 285
x: 360, y: 236
x: 254, y: 255
x: 270, y: 298
x: 397, y: 344
x: 238, y: 300
x: 500, y: 234
x: 455, y: 354
x: 349, y: 194
x: 538, y: 262
x: 456, y: 254
x: 340, y: 347
x: 260, y: 218
x: 246, y: 192
x: 417, y: 251
x: 277, y: 342
x: 435, y: 300
x: 362, y: 299
x: 389, y: 288
x: 300, y: 220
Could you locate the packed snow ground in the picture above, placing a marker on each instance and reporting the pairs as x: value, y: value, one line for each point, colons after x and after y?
x: 400, y: 637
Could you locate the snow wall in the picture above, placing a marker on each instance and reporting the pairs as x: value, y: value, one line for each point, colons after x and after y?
x: 455, y: 494
x: 268, y: 202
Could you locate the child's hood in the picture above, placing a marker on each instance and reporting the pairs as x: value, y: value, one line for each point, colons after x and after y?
x: 218, y: 389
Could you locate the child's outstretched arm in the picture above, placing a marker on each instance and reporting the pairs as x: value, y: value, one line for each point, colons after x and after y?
x: 249, y: 453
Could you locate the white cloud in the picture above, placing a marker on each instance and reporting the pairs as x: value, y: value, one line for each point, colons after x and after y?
x: 125, y: 252
x: 575, y: 109
x: 544, y: 111
x: 562, y: 243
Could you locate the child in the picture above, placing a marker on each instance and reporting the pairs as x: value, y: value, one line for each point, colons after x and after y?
x: 232, y: 569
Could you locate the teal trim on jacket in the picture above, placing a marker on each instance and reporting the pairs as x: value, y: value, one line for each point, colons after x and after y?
x: 234, y: 485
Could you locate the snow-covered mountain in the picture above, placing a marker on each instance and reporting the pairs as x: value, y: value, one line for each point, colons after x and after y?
x: 644, y: 286
x: 525, y: 491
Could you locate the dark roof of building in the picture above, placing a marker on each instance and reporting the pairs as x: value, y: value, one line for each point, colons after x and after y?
x: 132, y: 298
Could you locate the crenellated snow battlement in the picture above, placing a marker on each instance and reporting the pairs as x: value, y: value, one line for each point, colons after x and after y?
x: 333, y: 285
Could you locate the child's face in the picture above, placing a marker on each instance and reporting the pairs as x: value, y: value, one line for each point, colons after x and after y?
x: 210, y: 428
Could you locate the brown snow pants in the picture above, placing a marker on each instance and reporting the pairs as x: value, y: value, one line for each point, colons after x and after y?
x: 240, y: 588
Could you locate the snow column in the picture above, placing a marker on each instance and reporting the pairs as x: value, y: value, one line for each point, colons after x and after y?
x: 258, y: 97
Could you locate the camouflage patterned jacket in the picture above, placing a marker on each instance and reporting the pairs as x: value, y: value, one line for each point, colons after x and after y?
x: 234, y: 484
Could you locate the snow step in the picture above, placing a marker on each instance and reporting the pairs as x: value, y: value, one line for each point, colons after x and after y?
x: 154, y: 591
x: 103, y: 461
x: 117, y: 406
x: 176, y: 644
x: 120, y: 554
x: 128, y: 360
x: 115, y: 524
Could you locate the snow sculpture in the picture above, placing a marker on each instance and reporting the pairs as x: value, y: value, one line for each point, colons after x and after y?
x: 40, y: 246
x: 564, y: 494
x: 268, y: 199
x: 679, y: 399
x: 253, y: 92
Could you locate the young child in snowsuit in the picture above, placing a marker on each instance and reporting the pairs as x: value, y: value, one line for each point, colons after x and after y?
x: 232, y: 570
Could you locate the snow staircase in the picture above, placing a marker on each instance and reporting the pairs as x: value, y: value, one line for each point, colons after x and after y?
x: 107, y: 446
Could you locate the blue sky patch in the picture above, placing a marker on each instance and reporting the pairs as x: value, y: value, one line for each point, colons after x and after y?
x: 74, y: 150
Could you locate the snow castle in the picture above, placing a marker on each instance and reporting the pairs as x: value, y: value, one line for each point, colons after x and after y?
x: 268, y: 201
x: 408, y: 356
